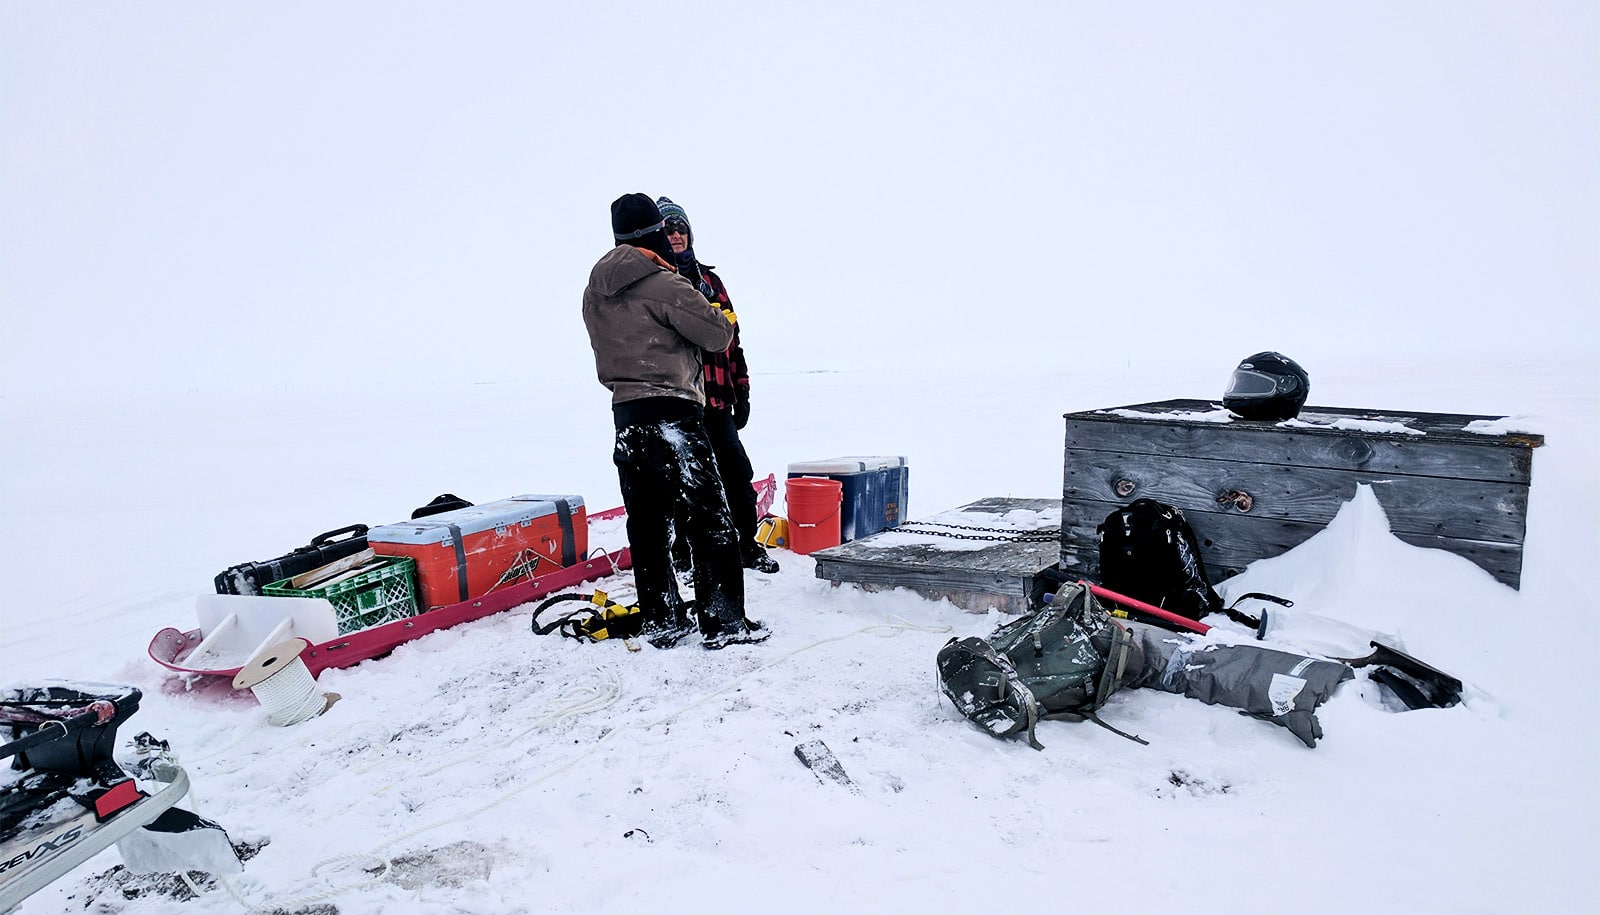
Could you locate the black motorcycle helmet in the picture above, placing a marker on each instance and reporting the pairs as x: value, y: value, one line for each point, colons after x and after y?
x: 1267, y: 386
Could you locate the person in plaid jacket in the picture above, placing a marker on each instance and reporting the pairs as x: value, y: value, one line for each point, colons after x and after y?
x: 727, y: 390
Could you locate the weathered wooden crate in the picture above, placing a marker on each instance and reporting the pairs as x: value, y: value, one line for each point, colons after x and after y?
x: 987, y: 554
x: 1252, y: 489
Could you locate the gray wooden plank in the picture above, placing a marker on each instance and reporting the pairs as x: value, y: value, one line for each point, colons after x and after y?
x: 949, y: 577
x: 1229, y: 543
x: 1460, y: 455
x: 975, y: 601
x: 1447, y: 426
x: 1001, y: 559
x: 1435, y: 506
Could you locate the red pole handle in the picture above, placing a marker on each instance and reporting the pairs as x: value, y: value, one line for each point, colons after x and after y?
x: 1182, y: 622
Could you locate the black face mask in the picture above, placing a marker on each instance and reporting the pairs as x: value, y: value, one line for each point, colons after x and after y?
x: 687, y: 265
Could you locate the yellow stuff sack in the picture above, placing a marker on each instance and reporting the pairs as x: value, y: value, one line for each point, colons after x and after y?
x: 773, y: 531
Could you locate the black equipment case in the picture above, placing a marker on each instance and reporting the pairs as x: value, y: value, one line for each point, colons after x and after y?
x: 251, y: 577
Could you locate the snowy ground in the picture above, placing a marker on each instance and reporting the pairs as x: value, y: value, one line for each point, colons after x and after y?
x: 495, y: 771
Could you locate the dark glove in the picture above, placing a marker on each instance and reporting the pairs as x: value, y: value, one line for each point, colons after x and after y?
x: 741, y: 414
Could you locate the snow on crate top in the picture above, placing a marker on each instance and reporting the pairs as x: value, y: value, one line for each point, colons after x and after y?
x: 1216, y: 415
x: 1349, y: 424
x: 1505, y: 425
x: 953, y: 531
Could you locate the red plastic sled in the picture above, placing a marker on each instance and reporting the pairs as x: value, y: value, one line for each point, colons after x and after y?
x: 171, y: 647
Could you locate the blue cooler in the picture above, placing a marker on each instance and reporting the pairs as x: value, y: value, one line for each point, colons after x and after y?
x: 875, y: 490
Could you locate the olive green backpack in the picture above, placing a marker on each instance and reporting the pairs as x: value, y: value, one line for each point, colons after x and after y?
x: 1062, y: 661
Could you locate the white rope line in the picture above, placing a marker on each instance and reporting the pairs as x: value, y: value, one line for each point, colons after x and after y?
x: 896, y: 626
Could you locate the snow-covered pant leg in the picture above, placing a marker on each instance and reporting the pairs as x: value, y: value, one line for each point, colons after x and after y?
x: 648, y: 493
x: 733, y: 464
x: 708, y: 526
x: 667, y: 470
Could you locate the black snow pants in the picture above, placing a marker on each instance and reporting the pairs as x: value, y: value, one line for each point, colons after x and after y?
x: 668, y: 471
x: 733, y: 464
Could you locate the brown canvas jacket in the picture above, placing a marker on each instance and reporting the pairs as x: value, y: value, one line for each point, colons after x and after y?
x: 647, y: 326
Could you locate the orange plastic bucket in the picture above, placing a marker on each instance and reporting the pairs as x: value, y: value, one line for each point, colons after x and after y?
x: 813, y: 512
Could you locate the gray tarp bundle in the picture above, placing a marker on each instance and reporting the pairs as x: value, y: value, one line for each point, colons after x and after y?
x: 1277, y: 686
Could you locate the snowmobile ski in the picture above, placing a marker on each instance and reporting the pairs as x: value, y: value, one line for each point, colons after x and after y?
x: 71, y: 800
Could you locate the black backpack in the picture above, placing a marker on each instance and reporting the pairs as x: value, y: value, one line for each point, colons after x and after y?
x: 1061, y: 661
x: 445, y: 502
x: 1149, y: 552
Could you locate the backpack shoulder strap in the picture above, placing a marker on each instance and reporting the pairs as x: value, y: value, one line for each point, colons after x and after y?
x: 1091, y: 716
x: 1110, y: 681
x: 1116, y: 664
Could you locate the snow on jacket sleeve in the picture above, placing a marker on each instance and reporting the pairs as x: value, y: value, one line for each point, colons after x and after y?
x: 688, y: 312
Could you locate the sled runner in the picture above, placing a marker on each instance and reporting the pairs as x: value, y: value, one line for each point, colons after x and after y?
x: 173, y: 649
x: 71, y: 800
x: 234, y: 628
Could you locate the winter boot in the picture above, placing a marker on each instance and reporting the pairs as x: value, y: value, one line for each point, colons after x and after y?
x: 756, y: 558
x: 746, y: 632
x: 669, y: 629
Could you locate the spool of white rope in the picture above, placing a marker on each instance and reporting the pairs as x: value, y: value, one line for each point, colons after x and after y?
x: 283, y: 685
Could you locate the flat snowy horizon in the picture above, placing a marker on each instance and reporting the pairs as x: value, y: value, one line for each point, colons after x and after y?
x: 486, y: 769
x: 270, y: 269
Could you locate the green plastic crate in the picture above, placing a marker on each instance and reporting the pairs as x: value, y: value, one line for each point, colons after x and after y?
x: 376, y: 596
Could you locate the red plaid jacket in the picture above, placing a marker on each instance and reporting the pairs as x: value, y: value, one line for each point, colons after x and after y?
x: 727, y: 377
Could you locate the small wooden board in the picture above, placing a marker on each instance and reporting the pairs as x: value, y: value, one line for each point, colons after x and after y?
x: 996, y: 572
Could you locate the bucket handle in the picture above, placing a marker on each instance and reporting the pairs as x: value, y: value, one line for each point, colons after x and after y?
x: 819, y: 522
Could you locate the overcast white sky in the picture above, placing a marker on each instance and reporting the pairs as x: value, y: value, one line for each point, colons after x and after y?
x: 260, y: 194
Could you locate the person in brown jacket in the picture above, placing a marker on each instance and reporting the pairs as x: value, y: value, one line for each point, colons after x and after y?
x: 647, y: 326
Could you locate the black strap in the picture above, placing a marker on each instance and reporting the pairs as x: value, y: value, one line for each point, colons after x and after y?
x: 461, y: 560
x: 1258, y: 623
x: 1091, y: 716
x: 54, y: 729
x: 354, y: 530
x: 1133, y: 737
x: 559, y: 621
x: 569, y: 545
x: 1258, y: 595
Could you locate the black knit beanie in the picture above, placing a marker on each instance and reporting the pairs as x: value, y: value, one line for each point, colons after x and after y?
x: 636, y: 221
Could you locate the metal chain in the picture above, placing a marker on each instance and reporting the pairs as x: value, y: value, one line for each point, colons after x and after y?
x: 969, y: 527
x: 1042, y: 535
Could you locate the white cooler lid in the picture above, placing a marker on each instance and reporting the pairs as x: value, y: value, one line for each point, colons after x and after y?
x: 851, y: 464
x: 472, y: 519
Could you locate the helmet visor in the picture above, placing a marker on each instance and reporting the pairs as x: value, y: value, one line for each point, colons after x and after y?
x: 1251, y: 383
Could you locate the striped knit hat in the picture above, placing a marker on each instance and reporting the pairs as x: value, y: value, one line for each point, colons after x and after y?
x: 670, y: 210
